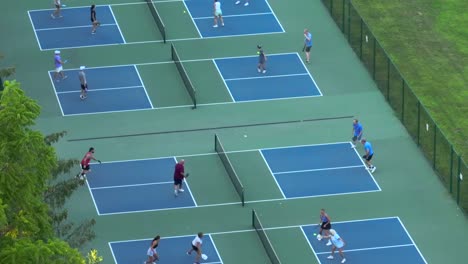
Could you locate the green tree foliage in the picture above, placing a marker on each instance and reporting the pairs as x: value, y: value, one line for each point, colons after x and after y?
x: 4, y: 73
x: 59, y: 190
x: 28, y: 162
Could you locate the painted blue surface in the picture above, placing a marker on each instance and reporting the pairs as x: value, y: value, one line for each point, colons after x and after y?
x: 100, y: 101
x: 132, y: 172
x: 155, y: 196
x: 204, y: 8
x: 74, y: 28
x: 170, y: 250
x: 237, y: 26
x: 368, y: 241
x: 325, y: 182
x: 311, y: 157
x: 98, y: 78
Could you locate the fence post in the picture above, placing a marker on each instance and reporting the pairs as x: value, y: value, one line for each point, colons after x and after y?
x: 434, y: 149
x: 360, y: 42
x: 388, y: 78
x: 373, y: 60
x: 458, y: 180
x: 451, y: 168
x: 349, y: 22
x: 343, y: 19
x: 419, y: 121
x: 403, y: 101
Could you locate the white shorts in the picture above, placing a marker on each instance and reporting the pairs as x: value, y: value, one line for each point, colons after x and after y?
x: 151, y: 252
x: 59, y: 69
x: 218, y: 13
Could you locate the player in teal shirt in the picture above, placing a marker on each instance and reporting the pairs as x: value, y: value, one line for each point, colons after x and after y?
x: 369, y: 154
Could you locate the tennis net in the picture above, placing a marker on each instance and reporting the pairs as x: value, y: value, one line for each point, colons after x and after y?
x: 183, y: 73
x: 264, y: 238
x: 229, y: 168
x: 157, y: 19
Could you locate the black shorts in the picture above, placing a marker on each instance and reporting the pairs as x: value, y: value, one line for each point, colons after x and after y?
x: 85, y: 167
x: 357, y: 138
x: 57, y: 6
x: 307, y: 49
x: 327, y: 227
x: 194, y: 248
x: 84, y: 86
x: 177, y: 181
x: 368, y: 158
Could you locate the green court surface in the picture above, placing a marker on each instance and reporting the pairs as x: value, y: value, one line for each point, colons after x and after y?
x: 410, y: 189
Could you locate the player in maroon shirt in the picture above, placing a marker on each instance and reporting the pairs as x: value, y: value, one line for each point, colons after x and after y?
x: 85, y: 168
x: 179, y: 176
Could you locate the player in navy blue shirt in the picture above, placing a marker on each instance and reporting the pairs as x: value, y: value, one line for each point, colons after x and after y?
x: 369, y: 154
x: 357, y: 132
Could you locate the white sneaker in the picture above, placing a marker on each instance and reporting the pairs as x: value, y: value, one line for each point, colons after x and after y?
x: 181, y: 190
x: 222, y: 24
x: 52, y: 15
x: 264, y: 71
x: 329, y: 243
x: 238, y: 2
x: 176, y: 193
x: 215, y: 26
x: 343, y: 261
x: 330, y: 257
x: 373, y: 169
x: 259, y: 70
x: 246, y: 4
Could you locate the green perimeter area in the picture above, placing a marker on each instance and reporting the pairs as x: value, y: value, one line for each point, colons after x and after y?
x: 410, y: 189
x: 428, y: 41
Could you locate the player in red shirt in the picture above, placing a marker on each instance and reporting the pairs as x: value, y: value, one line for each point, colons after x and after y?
x: 85, y: 163
x: 179, y: 176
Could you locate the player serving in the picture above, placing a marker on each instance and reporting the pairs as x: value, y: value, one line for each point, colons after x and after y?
x: 85, y: 168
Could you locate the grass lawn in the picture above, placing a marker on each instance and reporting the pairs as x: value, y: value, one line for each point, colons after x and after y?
x: 428, y: 42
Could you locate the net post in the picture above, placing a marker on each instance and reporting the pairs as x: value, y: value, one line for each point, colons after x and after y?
x: 451, y: 168
x: 253, y: 218
x: 243, y: 197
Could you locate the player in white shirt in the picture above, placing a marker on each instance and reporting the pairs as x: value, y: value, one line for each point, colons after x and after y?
x: 217, y: 13
x: 197, y: 247
x: 338, y: 243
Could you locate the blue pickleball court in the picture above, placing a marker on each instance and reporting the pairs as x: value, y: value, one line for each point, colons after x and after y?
x: 286, y: 77
x: 319, y: 170
x: 73, y: 29
x: 382, y: 240
x: 136, y: 186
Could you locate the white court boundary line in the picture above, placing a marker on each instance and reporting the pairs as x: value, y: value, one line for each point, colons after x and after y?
x: 189, y: 106
x: 277, y: 20
x: 224, y: 80
x: 73, y: 27
x: 163, y: 238
x: 371, y: 248
x: 117, y: 23
x: 266, y: 77
x: 240, y: 15
x: 50, y: 73
x: 103, y: 89
x: 271, y: 173
x: 144, y: 87
x: 34, y: 29
x: 364, y: 164
x: 237, y: 203
x: 130, y: 185
x: 193, y: 21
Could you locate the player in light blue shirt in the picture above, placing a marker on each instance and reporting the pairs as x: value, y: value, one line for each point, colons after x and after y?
x: 357, y: 131
x: 338, y: 243
x: 307, y: 44
x: 369, y: 154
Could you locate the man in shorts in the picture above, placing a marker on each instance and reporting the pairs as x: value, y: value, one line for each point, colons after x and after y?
x: 369, y: 154
x: 218, y: 14
x: 94, y: 20
x: 357, y: 132
x: 307, y: 44
x: 58, y: 6
x: 85, y: 168
x: 83, y: 83
x: 197, y: 247
x: 338, y: 243
x: 58, y: 66
x: 179, y: 176
x: 261, y: 60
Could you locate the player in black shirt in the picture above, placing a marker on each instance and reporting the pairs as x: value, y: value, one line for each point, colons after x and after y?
x: 94, y: 20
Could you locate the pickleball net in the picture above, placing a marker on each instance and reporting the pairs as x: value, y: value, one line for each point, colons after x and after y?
x: 157, y: 19
x: 229, y: 168
x: 264, y: 238
x: 183, y: 74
